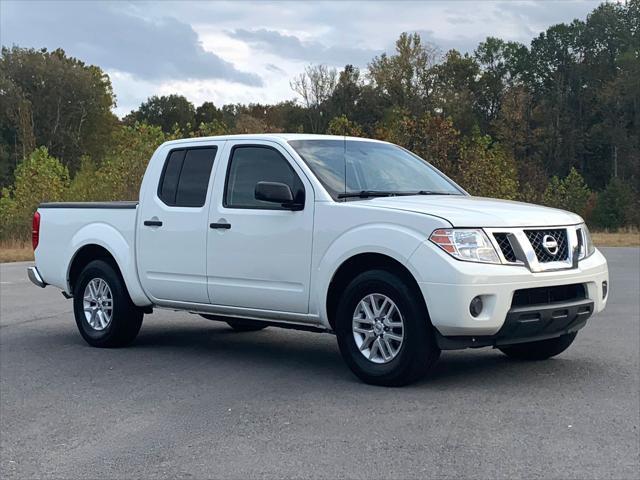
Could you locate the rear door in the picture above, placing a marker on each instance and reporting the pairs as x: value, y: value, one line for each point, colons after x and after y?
x: 172, y: 230
x: 259, y: 253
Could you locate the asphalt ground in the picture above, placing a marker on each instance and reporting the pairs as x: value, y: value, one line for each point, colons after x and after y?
x: 192, y: 399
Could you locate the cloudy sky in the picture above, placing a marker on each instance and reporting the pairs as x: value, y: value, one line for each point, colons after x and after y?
x: 229, y: 52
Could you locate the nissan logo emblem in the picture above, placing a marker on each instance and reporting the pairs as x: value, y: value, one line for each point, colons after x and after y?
x: 550, y: 244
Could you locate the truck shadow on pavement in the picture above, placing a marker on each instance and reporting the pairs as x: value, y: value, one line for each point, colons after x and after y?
x: 316, y: 358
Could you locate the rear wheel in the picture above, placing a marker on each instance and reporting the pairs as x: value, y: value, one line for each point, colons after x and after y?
x: 540, y: 350
x: 104, y: 312
x: 383, y: 330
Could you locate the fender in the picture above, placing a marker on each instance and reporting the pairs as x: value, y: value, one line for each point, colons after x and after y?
x: 393, y: 240
x: 107, y: 237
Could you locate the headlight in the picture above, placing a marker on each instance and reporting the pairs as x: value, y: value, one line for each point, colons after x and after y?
x: 587, y: 244
x: 471, y: 245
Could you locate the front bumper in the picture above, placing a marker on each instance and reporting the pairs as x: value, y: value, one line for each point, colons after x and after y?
x: 528, y: 324
x: 449, y: 285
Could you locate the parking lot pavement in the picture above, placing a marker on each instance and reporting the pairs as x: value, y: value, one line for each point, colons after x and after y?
x: 193, y: 399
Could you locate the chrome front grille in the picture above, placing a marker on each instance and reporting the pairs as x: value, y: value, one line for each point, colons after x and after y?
x: 537, y: 237
x: 539, y: 249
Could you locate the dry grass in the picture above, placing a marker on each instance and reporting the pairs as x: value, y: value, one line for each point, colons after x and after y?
x: 15, y: 251
x: 626, y: 237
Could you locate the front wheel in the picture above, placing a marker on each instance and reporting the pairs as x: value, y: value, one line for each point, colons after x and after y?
x: 383, y: 330
x: 104, y: 312
x: 540, y: 350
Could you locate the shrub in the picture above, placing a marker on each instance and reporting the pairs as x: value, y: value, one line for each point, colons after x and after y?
x: 38, y: 178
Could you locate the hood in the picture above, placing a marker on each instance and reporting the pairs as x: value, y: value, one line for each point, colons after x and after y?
x: 466, y: 211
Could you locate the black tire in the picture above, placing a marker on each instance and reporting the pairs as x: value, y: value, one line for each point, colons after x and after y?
x: 540, y: 350
x: 418, y: 351
x: 238, y: 325
x: 126, y: 318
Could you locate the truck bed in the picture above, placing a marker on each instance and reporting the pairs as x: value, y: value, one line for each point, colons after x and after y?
x: 66, y: 226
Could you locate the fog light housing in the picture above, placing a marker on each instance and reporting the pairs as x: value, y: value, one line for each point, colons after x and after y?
x: 605, y: 289
x: 475, y: 307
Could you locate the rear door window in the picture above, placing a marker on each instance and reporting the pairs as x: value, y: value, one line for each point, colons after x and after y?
x: 186, y: 176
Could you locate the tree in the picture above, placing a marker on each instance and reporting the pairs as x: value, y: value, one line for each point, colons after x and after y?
x: 502, y: 66
x: 486, y: 169
x: 315, y: 86
x: 616, y: 206
x: 432, y: 137
x: 569, y: 193
x: 455, y: 87
x: 207, y: 113
x: 405, y: 77
x: 346, y: 94
x: 55, y: 101
x: 38, y: 178
x: 343, y: 126
x: 167, y: 112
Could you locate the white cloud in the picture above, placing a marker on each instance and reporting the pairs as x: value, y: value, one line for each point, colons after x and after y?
x: 221, y: 51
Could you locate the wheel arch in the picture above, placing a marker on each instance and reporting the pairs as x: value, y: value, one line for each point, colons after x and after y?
x: 100, y: 241
x: 83, y: 256
x: 357, y: 264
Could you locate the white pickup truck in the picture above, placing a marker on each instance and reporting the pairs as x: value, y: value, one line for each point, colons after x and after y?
x: 356, y: 237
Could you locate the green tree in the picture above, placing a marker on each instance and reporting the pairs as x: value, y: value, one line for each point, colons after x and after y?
x: 569, y: 193
x: 343, y: 126
x: 55, y: 101
x: 405, y: 78
x: 207, y: 113
x: 166, y: 112
x: 38, y: 178
x: 120, y: 175
x: 486, y: 169
x: 616, y: 206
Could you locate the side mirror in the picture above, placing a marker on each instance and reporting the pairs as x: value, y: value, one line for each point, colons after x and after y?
x: 276, y: 192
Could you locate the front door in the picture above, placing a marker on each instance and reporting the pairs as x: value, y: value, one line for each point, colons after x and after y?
x: 259, y: 253
x: 173, y: 229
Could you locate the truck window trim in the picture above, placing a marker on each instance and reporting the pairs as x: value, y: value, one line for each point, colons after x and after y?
x: 164, y: 170
x: 259, y: 207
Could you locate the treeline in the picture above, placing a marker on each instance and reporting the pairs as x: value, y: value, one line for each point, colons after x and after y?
x: 555, y: 122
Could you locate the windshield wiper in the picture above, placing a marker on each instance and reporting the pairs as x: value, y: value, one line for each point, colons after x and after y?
x: 371, y: 193
x: 381, y: 193
x: 430, y: 192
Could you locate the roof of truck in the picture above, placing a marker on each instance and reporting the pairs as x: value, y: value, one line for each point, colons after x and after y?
x: 273, y: 136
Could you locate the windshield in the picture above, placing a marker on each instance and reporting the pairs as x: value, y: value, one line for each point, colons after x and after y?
x: 371, y: 169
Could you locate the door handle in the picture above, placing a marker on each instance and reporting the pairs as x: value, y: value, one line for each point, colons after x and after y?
x: 152, y: 223
x: 226, y: 226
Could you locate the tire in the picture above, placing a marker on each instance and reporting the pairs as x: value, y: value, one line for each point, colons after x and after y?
x: 100, y: 330
x: 415, y: 354
x: 540, y: 350
x: 239, y: 325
